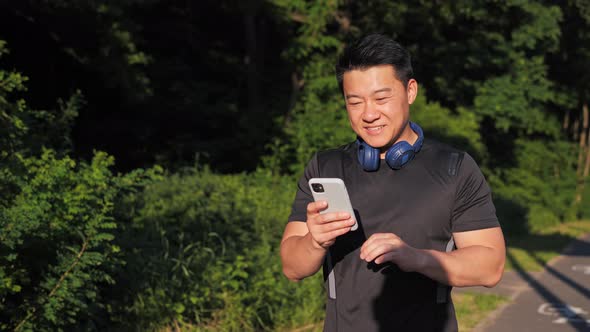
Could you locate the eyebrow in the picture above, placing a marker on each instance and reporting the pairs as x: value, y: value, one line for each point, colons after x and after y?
x: 382, y: 90
x: 374, y: 93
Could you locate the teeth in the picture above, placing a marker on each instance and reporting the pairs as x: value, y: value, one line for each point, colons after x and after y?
x: 374, y: 128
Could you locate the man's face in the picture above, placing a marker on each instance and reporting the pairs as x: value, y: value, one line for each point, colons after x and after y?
x: 378, y: 105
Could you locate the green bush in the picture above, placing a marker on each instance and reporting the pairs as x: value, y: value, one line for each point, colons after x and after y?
x: 460, y: 129
x: 540, y: 217
x: 585, y: 204
x: 56, y: 245
x: 202, y: 250
x: 543, y: 181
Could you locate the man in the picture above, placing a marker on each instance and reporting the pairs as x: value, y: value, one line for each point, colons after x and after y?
x: 415, y: 199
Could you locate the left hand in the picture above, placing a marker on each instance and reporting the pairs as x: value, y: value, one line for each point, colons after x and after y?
x: 388, y: 247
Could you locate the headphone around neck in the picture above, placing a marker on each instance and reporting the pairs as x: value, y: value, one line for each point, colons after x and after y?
x: 397, y: 156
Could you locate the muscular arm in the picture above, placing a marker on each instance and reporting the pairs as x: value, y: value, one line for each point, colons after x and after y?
x: 478, y: 260
x: 304, y: 244
x: 300, y: 255
x: 480, y: 255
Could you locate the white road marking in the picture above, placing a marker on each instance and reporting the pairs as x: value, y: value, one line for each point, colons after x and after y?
x: 581, y: 268
x: 565, y: 313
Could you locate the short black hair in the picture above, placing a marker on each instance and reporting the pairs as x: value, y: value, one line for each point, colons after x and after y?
x: 374, y: 50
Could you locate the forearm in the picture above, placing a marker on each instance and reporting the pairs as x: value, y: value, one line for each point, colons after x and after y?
x: 301, y: 257
x: 470, y: 266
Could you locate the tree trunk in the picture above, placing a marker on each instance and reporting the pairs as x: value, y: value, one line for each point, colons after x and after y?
x: 587, y: 164
x: 583, y: 165
x: 296, y: 84
x: 576, y: 128
x: 583, y: 139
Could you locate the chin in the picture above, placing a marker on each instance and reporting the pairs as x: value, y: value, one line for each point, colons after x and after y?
x: 376, y: 143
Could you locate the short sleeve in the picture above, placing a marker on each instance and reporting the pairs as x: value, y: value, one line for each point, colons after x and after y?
x: 303, y: 196
x: 473, y: 208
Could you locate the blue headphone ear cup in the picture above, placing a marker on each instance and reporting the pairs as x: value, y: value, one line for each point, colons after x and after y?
x: 368, y: 157
x: 396, y: 156
x: 403, y: 152
x: 399, y: 155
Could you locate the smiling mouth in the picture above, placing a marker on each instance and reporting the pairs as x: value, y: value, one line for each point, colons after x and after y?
x: 374, y: 129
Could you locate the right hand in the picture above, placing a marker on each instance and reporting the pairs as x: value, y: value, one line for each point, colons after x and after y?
x: 325, y: 228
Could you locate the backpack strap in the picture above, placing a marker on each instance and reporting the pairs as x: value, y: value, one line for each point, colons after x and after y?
x: 443, y: 291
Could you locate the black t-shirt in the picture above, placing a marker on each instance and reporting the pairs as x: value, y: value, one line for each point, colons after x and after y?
x: 440, y: 192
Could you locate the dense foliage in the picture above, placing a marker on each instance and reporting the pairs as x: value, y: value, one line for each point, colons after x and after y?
x: 211, y: 113
x: 202, y: 249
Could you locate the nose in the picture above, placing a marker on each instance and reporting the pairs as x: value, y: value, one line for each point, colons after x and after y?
x: 370, y: 113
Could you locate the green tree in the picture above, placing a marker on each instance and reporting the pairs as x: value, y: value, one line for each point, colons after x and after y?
x: 56, y: 218
x: 483, y: 64
x: 56, y: 243
x: 570, y: 70
x: 316, y: 118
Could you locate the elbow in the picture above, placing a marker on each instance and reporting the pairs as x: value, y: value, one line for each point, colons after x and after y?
x: 290, y: 275
x: 492, y: 281
x: 494, y: 278
x: 288, y: 272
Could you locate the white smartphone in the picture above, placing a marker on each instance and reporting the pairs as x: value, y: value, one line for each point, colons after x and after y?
x: 333, y: 191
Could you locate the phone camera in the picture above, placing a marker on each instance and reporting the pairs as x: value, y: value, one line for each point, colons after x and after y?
x: 317, y: 187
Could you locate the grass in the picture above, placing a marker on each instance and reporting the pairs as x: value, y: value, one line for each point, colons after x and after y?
x: 531, y: 252
x: 471, y: 308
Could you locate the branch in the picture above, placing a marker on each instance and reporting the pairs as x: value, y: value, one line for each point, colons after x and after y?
x: 57, y: 285
x: 343, y: 19
x: 297, y: 17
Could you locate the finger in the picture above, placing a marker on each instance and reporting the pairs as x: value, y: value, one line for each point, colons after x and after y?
x: 377, y: 251
x: 316, y: 207
x: 366, y: 251
x: 332, y: 235
x: 335, y: 225
x: 326, y: 218
x: 393, y: 242
x: 387, y: 257
x: 377, y: 237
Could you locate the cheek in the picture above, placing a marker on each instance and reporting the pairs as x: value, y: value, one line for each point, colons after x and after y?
x: 353, y: 117
x: 396, y: 109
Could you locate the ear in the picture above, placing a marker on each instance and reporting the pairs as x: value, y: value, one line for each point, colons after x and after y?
x: 412, y: 90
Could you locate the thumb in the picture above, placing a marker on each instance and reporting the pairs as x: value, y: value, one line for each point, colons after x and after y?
x: 386, y: 257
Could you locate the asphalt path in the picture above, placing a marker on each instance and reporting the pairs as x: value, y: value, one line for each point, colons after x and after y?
x: 556, y: 299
